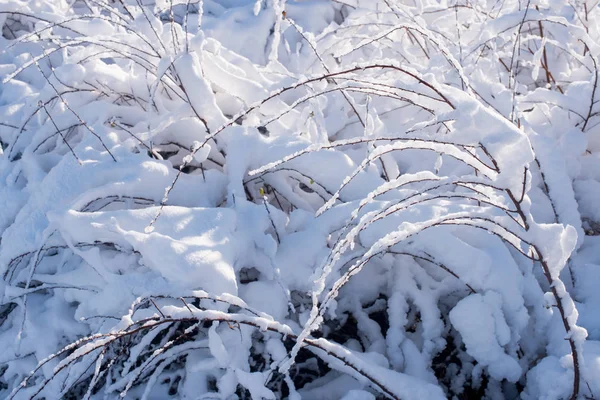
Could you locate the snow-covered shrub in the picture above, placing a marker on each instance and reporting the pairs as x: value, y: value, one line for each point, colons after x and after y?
x: 301, y: 199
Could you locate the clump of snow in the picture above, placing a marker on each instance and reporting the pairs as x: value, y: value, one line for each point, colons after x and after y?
x: 480, y: 321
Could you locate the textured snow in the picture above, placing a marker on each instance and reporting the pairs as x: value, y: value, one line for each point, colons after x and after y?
x: 302, y: 199
x: 481, y: 324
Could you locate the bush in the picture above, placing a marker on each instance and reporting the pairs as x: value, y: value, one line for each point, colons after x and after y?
x: 345, y: 199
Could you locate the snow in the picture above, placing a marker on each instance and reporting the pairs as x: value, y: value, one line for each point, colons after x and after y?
x: 173, y: 250
x: 268, y: 297
x: 358, y: 395
x: 302, y: 199
x: 481, y: 324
